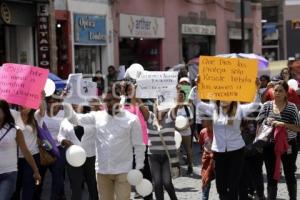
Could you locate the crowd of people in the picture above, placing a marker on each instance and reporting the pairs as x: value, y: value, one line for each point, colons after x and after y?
x: 121, y: 132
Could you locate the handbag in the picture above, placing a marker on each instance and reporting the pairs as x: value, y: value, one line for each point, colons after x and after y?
x: 47, y: 146
x: 47, y: 142
x: 264, y: 136
x: 46, y: 158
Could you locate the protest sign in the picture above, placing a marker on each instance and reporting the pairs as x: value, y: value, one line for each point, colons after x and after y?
x: 158, y: 85
x: 22, y: 84
x: 122, y: 71
x: 227, y: 79
x: 151, y: 83
x: 80, y: 90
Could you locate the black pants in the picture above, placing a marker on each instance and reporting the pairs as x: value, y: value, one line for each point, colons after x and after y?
x: 161, y: 176
x: 78, y: 175
x: 228, y: 169
x: 252, y: 177
x: 288, y: 162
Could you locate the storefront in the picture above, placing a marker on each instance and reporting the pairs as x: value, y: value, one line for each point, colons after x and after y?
x: 24, y: 33
x: 141, y: 41
x: 90, y: 38
x: 197, y: 40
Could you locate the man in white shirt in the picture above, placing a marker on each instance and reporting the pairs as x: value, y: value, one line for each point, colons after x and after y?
x: 118, y: 136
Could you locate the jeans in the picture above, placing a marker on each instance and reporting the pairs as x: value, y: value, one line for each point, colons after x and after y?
x: 288, y: 163
x: 57, y: 171
x: 205, y: 191
x: 25, y: 180
x: 161, y: 176
x: 7, y: 184
x: 78, y: 174
x: 228, y: 170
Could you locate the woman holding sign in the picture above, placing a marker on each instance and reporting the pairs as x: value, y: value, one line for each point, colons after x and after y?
x: 10, y: 139
x: 228, y: 144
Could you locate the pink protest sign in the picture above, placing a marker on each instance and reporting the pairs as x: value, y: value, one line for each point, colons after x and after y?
x: 22, y: 84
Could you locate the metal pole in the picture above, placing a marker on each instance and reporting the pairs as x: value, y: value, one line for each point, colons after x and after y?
x: 243, y: 25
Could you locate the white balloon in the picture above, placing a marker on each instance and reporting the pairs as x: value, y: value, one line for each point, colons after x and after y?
x: 144, y: 188
x: 134, y: 177
x: 134, y: 71
x: 49, y: 87
x: 181, y: 122
x: 178, y: 139
x: 75, y: 155
x: 293, y: 84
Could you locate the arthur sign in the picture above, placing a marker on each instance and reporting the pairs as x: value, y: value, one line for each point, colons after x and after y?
x: 227, y: 79
x: 43, y: 35
x: 142, y: 26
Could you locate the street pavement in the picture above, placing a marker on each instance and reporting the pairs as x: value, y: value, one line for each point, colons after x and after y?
x: 189, y: 187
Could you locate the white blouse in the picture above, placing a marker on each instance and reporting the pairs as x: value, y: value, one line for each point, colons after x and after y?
x: 30, y: 136
x: 8, y: 150
x: 227, y: 137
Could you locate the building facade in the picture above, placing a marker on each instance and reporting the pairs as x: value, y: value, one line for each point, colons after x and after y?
x: 84, y: 36
x: 291, y: 26
x: 164, y: 33
x: 26, y: 32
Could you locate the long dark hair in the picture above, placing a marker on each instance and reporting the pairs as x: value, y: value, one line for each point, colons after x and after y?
x: 8, y: 118
x: 231, y: 111
x: 31, y: 119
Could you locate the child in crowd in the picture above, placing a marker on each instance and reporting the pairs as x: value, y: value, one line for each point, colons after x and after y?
x: 207, y: 171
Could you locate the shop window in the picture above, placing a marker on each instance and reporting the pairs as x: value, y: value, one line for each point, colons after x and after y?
x: 87, y: 59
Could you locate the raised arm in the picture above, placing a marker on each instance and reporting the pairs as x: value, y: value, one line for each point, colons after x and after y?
x: 78, y: 119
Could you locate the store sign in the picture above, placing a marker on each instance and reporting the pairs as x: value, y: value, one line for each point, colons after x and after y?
x: 43, y: 35
x: 5, y: 13
x: 142, y: 26
x: 236, y: 34
x: 90, y: 29
x: 195, y: 29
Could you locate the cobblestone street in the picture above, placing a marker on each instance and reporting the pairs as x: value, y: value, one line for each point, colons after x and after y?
x: 188, y: 187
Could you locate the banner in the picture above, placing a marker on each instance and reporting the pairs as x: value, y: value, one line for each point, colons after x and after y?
x: 158, y: 85
x: 227, y: 79
x: 80, y: 91
x: 22, y: 84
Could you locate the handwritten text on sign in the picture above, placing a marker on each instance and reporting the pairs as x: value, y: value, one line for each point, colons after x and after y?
x: 228, y: 79
x: 22, y: 84
x: 151, y: 83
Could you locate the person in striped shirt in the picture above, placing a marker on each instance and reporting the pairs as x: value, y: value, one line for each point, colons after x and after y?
x: 283, y: 114
x: 161, y: 128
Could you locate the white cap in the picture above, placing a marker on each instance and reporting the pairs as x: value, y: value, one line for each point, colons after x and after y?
x: 185, y: 79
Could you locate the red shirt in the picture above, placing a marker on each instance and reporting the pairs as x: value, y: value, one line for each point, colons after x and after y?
x: 205, y: 139
x: 292, y: 96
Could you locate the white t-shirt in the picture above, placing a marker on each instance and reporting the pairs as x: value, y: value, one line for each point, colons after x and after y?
x: 53, y: 124
x: 8, y: 150
x: 182, y: 112
x: 30, y: 136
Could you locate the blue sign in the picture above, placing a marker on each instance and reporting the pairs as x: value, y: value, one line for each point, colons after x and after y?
x: 90, y: 29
